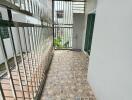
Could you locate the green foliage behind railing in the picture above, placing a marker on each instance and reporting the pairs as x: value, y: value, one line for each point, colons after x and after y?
x: 57, y: 42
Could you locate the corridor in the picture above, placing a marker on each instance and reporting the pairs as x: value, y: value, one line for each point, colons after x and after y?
x: 67, y: 77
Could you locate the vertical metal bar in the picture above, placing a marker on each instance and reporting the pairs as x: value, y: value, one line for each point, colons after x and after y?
x: 34, y: 8
x: 31, y: 6
x: 28, y: 56
x: 22, y: 58
x: 36, y: 40
x: 38, y: 11
x: 41, y: 53
x: 36, y: 57
x: 7, y: 67
x: 70, y: 21
x: 28, y: 5
x: 24, y: 5
x: 1, y: 92
x: 34, y: 60
x: 58, y: 20
x: 57, y: 24
x: 84, y: 5
x: 65, y: 16
x: 31, y: 55
x: 53, y: 5
x: 60, y: 27
x: 38, y: 54
x: 64, y: 23
x: 69, y: 37
x: 67, y: 21
x: 29, y: 47
x: 55, y: 35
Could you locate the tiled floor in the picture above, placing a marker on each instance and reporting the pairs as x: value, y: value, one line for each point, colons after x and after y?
x: 67, y: 77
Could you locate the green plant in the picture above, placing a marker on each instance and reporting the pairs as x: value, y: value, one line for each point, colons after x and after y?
x: 57, y: 42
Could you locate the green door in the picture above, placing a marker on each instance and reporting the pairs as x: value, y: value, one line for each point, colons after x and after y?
x: 89, y: 32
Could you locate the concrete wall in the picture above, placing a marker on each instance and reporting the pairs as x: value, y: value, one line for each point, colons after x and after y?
x: 110, y: 68
x: 80, y: 24
x: 90, y: 6
x: 79, y: 30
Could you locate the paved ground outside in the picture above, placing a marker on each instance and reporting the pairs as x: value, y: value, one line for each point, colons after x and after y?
x: 67, y: 77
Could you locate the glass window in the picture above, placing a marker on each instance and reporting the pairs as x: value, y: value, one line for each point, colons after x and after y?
x: 60, y: 14
x: 3, y: 30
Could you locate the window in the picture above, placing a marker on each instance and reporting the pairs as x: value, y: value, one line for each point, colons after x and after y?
x: 3, y: 30
x: 60, y: 14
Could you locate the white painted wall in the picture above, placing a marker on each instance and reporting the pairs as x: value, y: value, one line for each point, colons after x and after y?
x: 90, y: 6
x: 79, y: 30
x: 110, y: 68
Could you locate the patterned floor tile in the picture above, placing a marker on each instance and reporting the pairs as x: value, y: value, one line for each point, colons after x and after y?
x: 67, y: 77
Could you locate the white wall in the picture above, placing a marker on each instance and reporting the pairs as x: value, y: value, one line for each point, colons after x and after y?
x: 90, y: 6
x: 110, y: 68
x: 79, y: 30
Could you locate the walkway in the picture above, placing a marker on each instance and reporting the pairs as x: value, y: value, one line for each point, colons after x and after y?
x: 67, y: 77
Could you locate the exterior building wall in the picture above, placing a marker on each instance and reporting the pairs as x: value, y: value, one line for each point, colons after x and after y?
x: 110, y: 60
x: 18, y: 17
x: 80, y: 24
x: 79, y: 30
x: 90, y: 6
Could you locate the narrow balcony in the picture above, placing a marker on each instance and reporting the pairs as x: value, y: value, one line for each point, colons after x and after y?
x: 41, y: 51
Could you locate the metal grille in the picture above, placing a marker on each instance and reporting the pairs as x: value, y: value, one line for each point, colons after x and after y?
x: 78, y: 6
x: 26, y: 54
x: 63, y: 22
